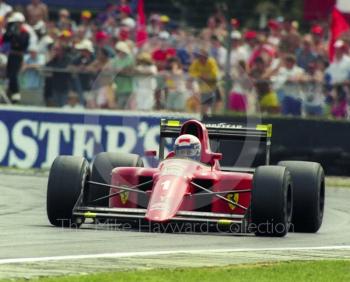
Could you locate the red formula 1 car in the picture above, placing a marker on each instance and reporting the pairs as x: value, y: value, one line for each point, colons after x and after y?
x: 195, y: 195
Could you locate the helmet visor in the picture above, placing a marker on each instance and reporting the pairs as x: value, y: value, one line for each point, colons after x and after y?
x: 189, y: 151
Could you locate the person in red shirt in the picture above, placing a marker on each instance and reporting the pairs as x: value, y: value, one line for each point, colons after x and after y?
x: 164, y: 51
x: 264, y: 50
x: 320, y: 45
x: 275, y: 29
x: 124, y: 7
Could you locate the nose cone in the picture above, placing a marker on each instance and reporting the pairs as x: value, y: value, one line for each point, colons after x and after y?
x: 166, y: 199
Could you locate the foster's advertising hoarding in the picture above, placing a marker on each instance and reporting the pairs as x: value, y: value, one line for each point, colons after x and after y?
x: 33, y: 137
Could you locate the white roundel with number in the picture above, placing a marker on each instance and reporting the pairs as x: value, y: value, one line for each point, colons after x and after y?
x: 188, y: 146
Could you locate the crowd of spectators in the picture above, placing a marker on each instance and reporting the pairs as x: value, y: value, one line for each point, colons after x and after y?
x: 97, y: 61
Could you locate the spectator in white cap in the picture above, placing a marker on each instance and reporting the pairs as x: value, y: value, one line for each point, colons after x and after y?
x: 238, y: 51
x: 339, y: 70
x: 86, y: 47
x: 18, y: 17
x: 45, y: 40
x: 164, y: 35
x: 32, y: 81
x: 129, y: 22
x: 144, y: 82
x: 122, y: 66
x: 153, y: 27
x: 17, y: 37
x: 287, y: 82
x: 83, y: 82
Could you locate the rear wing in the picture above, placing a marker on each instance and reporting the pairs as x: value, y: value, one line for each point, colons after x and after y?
x: 219, y: 131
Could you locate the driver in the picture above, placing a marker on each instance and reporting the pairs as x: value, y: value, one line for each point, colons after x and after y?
x: 188, y: 146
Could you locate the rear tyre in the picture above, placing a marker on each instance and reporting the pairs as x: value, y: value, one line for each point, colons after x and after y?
x: 102, y: 168
x: 309, y: 195
x: 67, y: 179
x: 271, y: 203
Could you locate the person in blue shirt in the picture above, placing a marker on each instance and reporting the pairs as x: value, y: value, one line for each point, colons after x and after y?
x: 306, y: 55
x: 31, y: 78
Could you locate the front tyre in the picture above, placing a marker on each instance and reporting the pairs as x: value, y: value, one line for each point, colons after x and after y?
x: 271, y: 203
x: 67, y: 179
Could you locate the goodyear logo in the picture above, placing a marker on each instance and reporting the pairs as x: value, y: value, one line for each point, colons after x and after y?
x: 124, y: 196
x: 234, y: 198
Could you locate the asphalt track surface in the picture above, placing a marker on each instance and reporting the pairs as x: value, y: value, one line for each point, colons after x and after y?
x: 26, y: 233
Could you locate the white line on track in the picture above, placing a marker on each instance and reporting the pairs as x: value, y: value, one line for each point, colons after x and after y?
x: 170, y: 252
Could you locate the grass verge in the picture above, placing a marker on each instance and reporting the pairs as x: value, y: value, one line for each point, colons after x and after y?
x: 338, y: 182
x: 24, y: 171
x: 328, y: 270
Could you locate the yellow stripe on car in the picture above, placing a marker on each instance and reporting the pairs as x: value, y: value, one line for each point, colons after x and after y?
x: 173, y: 123
x: 225, y: 221
x: 265, y: 127
x: 89, y: 215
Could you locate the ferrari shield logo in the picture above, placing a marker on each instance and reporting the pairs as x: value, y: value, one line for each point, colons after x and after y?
x: 124, y: 197
x: 234, y: 198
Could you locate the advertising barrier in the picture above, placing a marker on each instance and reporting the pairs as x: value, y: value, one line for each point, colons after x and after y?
x: 32, y: 137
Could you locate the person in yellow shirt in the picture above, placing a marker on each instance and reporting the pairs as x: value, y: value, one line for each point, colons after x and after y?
x: 205, y: 71
x: 268, y: 99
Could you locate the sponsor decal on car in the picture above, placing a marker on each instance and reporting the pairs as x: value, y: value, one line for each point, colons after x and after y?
x: 174, y: 170
x: 159, y: 206
x: 234, y: 197
x: 124, y: 196
x: 223, y: 125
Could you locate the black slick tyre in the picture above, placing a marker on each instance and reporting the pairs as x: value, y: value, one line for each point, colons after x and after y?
x: 67, y: 179
x: 271, y: 203
x: 309, y: 195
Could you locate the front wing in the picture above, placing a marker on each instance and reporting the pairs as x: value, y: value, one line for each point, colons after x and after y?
x: 137, y: 216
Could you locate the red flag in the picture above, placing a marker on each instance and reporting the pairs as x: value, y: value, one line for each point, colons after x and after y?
x: 141, y: 29
x: 339, y: 25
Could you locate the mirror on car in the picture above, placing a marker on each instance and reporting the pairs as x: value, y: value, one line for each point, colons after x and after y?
x: 217, y: 156
x: 150, y: 153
